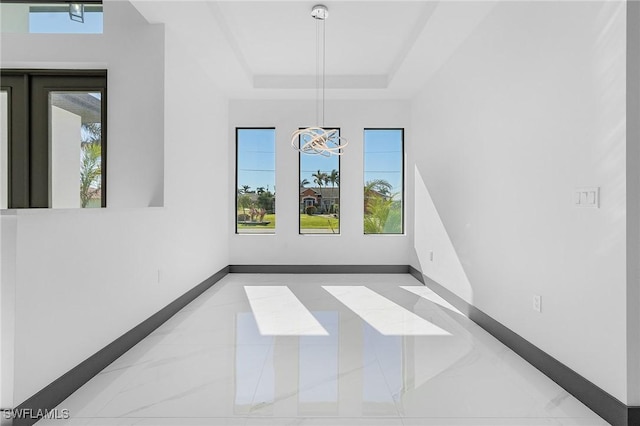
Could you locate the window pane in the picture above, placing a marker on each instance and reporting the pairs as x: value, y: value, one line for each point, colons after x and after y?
x: 75, y: 134
x: 51, y: 18
x: 319, y: 200
x: 4, y: 140
x: 383, y: 181
x: 256, y: 181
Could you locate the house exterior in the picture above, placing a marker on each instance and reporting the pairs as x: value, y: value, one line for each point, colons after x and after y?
x: 322, y: 198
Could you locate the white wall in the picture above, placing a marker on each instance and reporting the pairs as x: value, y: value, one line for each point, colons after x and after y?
x: 7, y: 308
x: 529, y: 107
x: 84, y: 277
x: 633, y: 200
x: 65, y: 158
x: 14, y: 18
x: 286, y: 246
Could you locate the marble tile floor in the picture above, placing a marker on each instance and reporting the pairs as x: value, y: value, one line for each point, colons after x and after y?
x: 210, y: 364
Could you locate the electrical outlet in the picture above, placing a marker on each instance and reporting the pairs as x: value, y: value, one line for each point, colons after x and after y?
x: 537, y: 303
x: 431, y: 255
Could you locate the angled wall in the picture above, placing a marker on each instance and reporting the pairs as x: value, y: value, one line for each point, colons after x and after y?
x: 633, y: 200
x: 84, y: 277
x: 528, y: 109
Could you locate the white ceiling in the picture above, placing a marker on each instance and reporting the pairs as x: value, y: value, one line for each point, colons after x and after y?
x: 266, y: 49
x: 362, y: 38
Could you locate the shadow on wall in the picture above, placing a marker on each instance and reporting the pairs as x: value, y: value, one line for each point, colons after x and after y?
x: 434, y: 250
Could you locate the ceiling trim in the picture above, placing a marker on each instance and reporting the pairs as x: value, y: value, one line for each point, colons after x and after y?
x: 310, y: 82
x: 412, y: 37
x: 218, y: 15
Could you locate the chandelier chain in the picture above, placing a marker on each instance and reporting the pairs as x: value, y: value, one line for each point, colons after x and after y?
x: 324, y: 67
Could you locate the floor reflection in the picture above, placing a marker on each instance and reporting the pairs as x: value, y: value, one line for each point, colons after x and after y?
x: 211, y: 365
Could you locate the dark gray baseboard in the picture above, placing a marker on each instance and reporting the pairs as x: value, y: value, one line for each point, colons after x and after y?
x: 319, y: 269
x: 61, y: 388
x: 601, y: 402
x: 605, y: 405
x: 416, y: 274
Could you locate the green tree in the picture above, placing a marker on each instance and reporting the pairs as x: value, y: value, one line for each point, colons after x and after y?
x: 245, y: 202
x: 333, y: 178
x: 90, y: 172
x: 377, y: 187
x: 319, y: 178
x: 381, y: 213
x: 266, y: 200
x: 90, y: 162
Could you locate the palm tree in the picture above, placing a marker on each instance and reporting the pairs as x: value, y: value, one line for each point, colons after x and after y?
x: 260, y: 190
x: 333, y: 178
x: 304, y: 182
x: 377, y: 186
x: 319, y: 178
x: 245, y: 189
x: 381, y: 213
x: 91, y: 162
x: 90, y: 172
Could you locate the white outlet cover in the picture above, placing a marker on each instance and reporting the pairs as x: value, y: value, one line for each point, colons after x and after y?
x: 587, y: 197
x: 537, y: 303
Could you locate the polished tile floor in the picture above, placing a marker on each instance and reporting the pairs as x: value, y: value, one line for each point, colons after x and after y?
x: 321, y: 350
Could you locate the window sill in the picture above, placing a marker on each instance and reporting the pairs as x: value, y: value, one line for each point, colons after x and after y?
x: 49, y: 211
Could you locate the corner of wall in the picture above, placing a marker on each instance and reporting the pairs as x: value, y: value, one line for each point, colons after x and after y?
x: 633, y: 202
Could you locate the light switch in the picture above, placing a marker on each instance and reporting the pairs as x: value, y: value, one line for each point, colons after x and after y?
x: 586, y: 197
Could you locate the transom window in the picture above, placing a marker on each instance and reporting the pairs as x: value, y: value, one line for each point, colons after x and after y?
x: 52, y: 17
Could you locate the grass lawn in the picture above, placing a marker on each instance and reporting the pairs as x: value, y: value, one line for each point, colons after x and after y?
x: 306, y: 222
x: 318, y: 222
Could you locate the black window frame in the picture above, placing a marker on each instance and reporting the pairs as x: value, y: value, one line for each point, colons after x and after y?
x: 29, y: 174
x: 300, y: 154
x: 403, y: 171
x: 235, y: 214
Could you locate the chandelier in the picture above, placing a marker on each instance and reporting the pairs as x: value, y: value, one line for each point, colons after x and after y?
x: 317, y: 140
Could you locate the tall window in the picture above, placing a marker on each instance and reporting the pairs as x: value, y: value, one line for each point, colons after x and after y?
x: 56, y: 138
x: 255, y: 180
x: 383, y: 181
x: 319, y: 196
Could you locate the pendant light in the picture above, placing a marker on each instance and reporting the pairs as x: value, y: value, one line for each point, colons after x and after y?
x: 316, y: 140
